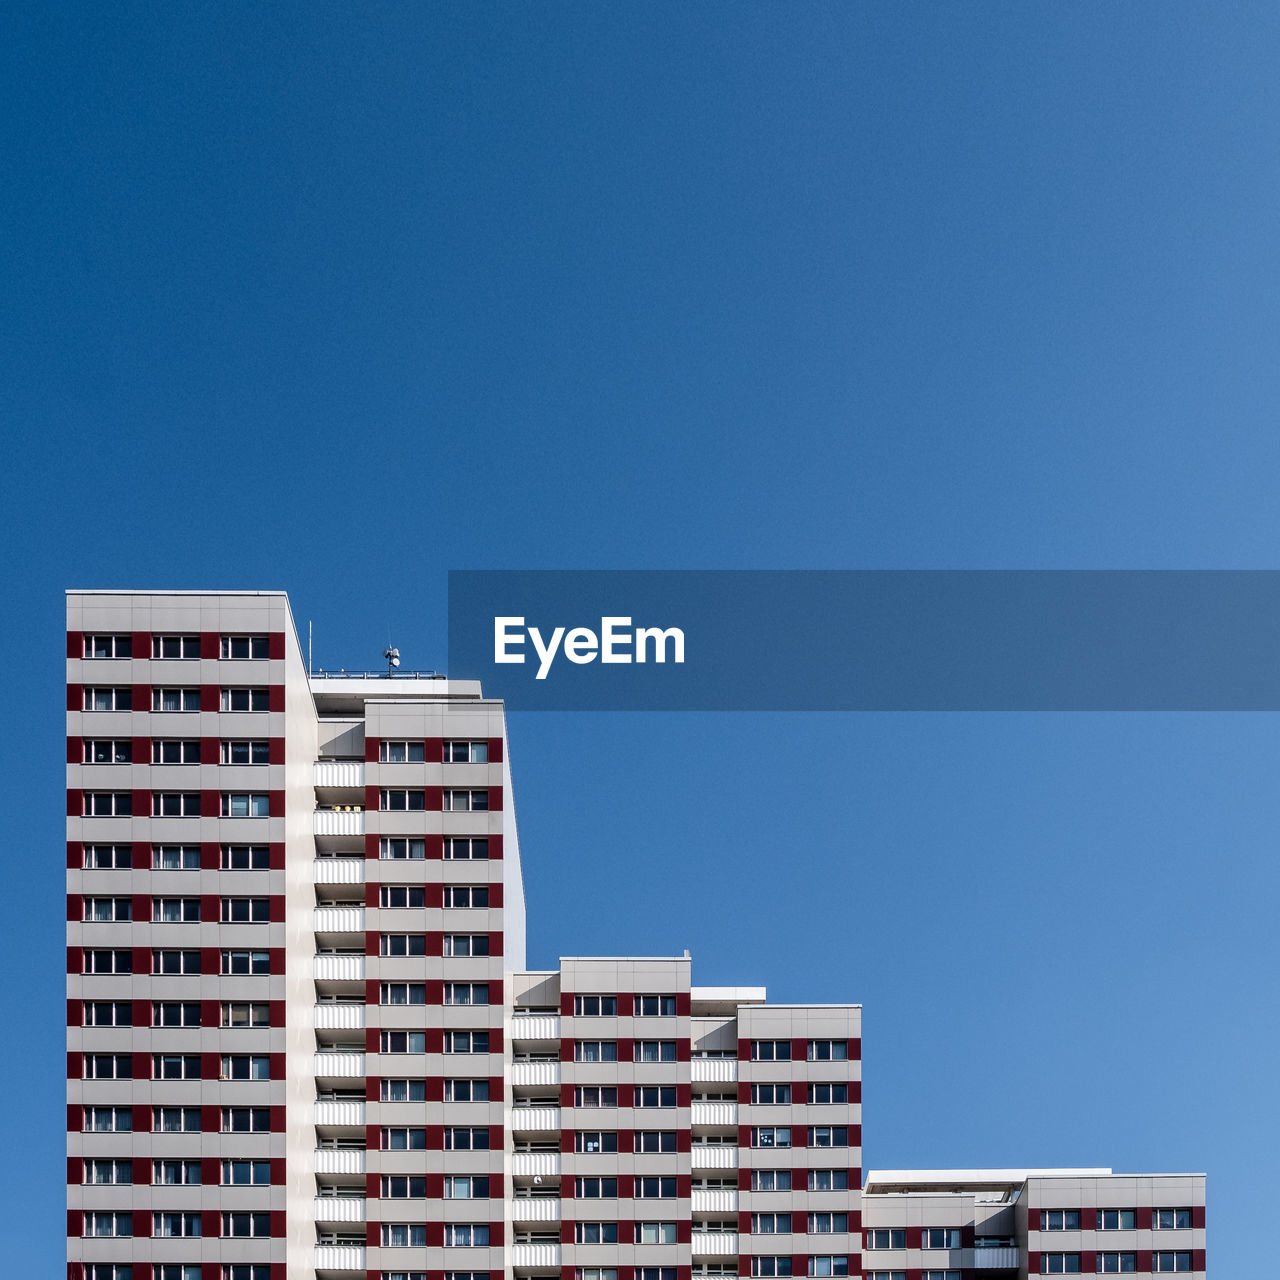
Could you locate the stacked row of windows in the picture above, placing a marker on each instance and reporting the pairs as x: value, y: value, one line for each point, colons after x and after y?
x: 171, y: 1066
x: 175, y: 1271
x: 177, y: 751
x: 416, y: 751
x: 456, y: 849
x: 177, y: 857
x: 172, y: 698
x: 119, y: 1119
x: 176, y: 804
x: 815, y: 1050
x: 829, y: 1266
x: 453, y: 800
x: 645, y: 1006
x: 930, y: 1238
x: 117, y: 1222
x: 1115, y: 1219
x: 176, y: 1173
x: 230, y: 647
x: 452, y: 895
x: 121, y: 961
x: 231, y: 1014
x: 179, y: 910
x: 1069, y: 1264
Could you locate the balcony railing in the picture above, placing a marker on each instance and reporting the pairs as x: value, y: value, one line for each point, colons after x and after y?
x: 535, y: 1164
x: 339, y: 773
x: 339, y: 1064
x: 347, y: 1112
x: 710, y: 1156
x: 716, y: 1070
x: 535, y: 1026
x: 339, y: 968
x: 337, y: 871
x: 537, y: 1119
x: 715, y: 1244
x: 535, y: 1255
x: 535, y: 1209
x: 340, y: 1159
x: 535, y: 1073
x: 723, y: 1115
x: 339, y: 1208
x: 1001, y: 1259
x: 338, y: 822
x: 340, y: 1257
x: 721, y: 1201
x: 338, y: 920
x: 342, y: 1015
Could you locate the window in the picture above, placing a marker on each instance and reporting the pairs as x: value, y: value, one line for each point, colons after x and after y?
x: 401, y: 752
x: 466, y: 848
x: 175, y: 1173
x: 655, y: 1006
x: 399, y: 849
x: 824, y: 1094
x: 246, y: 1224
x: 828, y: 1179
x: 771, y: 1180
x: 459, y: 801
x: 108, y: 1271
x: 595, y: 1095
x: 175, y: 962
x: 837, y: 1265
x: 107, y: 1066
x: 595, y: 1233
x: 1059, y: 1264
x: 108, y: 1222
x: 175, y: 857
x: 940, y: 1275
x: 828, y: 1136
x: 175, y: 910
x: 404, y: 1042
x: 655, y: 1095
x: 176, y: 1271
x: 466, y: 944
x: 595, y: 1051
x: 246, y: 1119
x: 404, y: 1091
x: 107, y: 909
x: 175, y: 1119
x: 595, y: 1006
x: 403, y: 993
x: 448, y: 1275
x: 825, y: 1223
x: 108, y: 804
x: 940, y: 1238
x: 402, y: 895
x: 466, y: 1235
x: 1115, y: 1219
x: 768, y: 1224
x: 242, y: 1013
x: 655, y: 1233
x: 466, y: 993
x: 244, y: 751
x: 466, y: 895
x: 1059, y: 1219
x: 770, y: 1266
x: 595, y: 1273
x: 1171, y: 1261
x: 404, y: 1139
x: 403, y: 944
x: 403, y: 1187
x: 108, y: 1119
x: 771, y: 1094
x: 108, y: 646
x: 175, y: 750
x: 466, y: 1091
x: 108, y: 750
x: 887, y: 1239
x: 596, y: 1188
x: 102, y: 1173
x: 828, y: 1050
x: 246, y: 910
x: 239, y: 804
x: 246, y: 962
x: 175, y: 646
x: 108, y: 962
x: 651, y: 1140
x: 175, y: 1224
x: 234, y: 647
x: 655, y: 1188
x: 108, y: 1013
x: 175, y: 699
x: 175, y: 804
x: 244, y: 1271
x: 770, y: 1136
x: 595, y: 1141
x: 466, y: 1139
x: 401, y: 800
x: 1109, y: 1263
x: 1171, y: 1219
x: 240, y: 1066
x: 175, y: 1066
x: 174, y: 1013
x: 101, y: 857
x: 404, y: 1235
x: 466, y: 753
x: 108, y: 699
x: 475, y: 1187
x: 246, y: 857
x: 771, y: 1051
x: 655, y: 1050
x: 466, y: 1042
x: 245, y: 700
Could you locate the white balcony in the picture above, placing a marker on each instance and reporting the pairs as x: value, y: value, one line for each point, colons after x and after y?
x: 534, y: 1255
x: 535, y: 1073
x: 339, y: 773
x: 339, y: 1064
x: 717, y: 1070
x: 338, y: 822
x: 715, y: 1244
x: 723, y: 1115
x: 535, y: 1026
x: 711, y: 1156
x: 539, y: 1209
x: 340, y: 1113
x: 342, y: 1015
x: 343, y: 968
x: 535, y: 1164
x: 338, y: 920
x: 1004, y: 1258
x: 535, y: 1119
x: 722, y: 1201
x: 340, y: 1257
x: 339, y: 1208
x: 337, y: 871
x: 340, y: 1159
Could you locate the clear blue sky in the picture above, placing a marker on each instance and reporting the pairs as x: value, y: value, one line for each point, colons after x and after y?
x: 335, y: 297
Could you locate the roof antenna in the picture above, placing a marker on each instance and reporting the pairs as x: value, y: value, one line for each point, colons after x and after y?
x: 393, y: 659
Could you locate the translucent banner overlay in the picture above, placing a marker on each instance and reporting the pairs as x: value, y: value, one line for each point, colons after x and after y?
x: 891, y: 640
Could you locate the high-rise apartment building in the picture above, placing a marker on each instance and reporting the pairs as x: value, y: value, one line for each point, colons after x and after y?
x: 303, y: 1042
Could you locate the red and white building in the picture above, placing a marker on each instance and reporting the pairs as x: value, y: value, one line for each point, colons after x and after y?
x: 303, y: 1044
